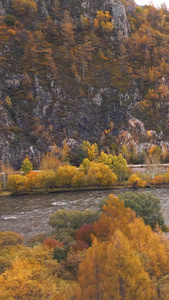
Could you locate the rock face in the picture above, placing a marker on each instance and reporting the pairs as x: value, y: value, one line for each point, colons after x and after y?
x: 116, y: 9
x: 4, y: 7
x: 44, y: 97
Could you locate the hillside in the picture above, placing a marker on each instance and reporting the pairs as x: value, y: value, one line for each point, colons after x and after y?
x: 71, y: 69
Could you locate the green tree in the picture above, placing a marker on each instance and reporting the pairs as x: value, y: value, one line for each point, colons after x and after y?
x: 146, y: 205
x: 106, y: 159
x: 66, y: 222
x: 119, y: 166
x: 26, y: 166
x: 72, y: 219
x: 117, y: 163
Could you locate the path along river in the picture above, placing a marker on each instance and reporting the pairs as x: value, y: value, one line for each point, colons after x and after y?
x: 29, y: 215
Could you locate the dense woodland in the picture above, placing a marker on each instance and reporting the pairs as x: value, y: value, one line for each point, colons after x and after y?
x: 107, y: 254
x: 120, y: 251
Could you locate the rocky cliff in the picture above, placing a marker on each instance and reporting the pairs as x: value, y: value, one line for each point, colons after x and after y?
x: 67, y: 72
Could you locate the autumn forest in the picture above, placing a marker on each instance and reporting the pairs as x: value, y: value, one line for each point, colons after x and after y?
x: 84, y: 97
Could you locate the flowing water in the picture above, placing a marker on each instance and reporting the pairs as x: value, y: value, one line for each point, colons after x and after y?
x: 29, y: 215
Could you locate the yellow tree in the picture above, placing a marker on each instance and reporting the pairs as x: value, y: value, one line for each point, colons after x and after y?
x: 113, y: 271
x: 25, y: 7
x: 30, y: 181
x: 50, y: 160
x: 68, y: 33
x: 135, y: 181
x: 91, y: 272
x: 65, y: 175
x: 100, y: 174
x: 29, y: 279
x: 16, y: 183
x: 78, y: 179
x: 65, y: 152
x: 119, y: 166
x: 83, y: 54
x: 21, y: 282
x: 93, y: 152
x: 124, y: 271
x: 105, y: 158
x: 84, y: 167
x: 33, y: 275
x: 153, y: 254
x: 46, y: 180
x: 114, y: 216
x: 86, y: 145
x: 103, y: 21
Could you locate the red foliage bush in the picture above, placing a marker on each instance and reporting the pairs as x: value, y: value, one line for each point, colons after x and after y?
x: 80, y: 246
x: 52, y: 243
x: 84, y: 233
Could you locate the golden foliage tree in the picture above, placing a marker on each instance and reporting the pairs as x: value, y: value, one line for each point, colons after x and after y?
x: 135, y: 181
x: 113, y: 271
x: 16, y: 183
x: 91, y: 272
x: 46, y: 180
x: 25, y: 6
x: 67, y: 175
x: 103, y: 21
x: 100, y: 174
x: 114, y: 216
x: 93, y: 152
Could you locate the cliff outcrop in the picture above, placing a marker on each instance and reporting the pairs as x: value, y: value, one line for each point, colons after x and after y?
x: 68, y: 70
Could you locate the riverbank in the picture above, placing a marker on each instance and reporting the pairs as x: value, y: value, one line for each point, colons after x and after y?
x: 124, y: 185
x: 5, y: 193
x: 60, y: 190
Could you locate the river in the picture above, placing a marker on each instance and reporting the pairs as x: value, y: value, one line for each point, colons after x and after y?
x: 29, y: 214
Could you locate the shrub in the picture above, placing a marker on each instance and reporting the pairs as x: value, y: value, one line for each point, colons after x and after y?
x: 46, y: 180
x: 65, y: 175
x: 135, y: 181
x: 16, y: 183
x: 167, y: 177
x: 30, y: 181
x: 159, y: 179
x: 9, y: 238
x: 60, y: 253
x: 101, y: 175
x: 52, y: 243
x: 146, y: 206
x: 10, y: 20
x: 79, y: 246
x: 84, y: 233
x: 72, y: 219
x: 4, y: 264
x: 73, y: 259
x: 36, y: 240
